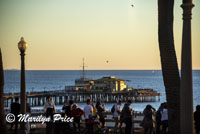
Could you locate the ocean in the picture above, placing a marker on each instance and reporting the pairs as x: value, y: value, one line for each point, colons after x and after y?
x: 46, y: 80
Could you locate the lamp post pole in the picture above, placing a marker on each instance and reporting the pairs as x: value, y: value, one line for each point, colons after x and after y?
x: 22, y: 47
x: 186, y: 121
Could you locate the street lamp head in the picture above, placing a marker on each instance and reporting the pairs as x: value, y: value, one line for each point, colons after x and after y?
x: 22, y: 45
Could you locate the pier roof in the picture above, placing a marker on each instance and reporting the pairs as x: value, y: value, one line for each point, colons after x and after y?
x: 84, y: 79
x: 110, y: 78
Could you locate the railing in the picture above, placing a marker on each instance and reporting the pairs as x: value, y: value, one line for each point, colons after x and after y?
x: 136, y: 120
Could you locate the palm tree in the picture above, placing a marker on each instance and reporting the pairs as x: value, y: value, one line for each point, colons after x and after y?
x: 169, y: 63
x: 3, y: 128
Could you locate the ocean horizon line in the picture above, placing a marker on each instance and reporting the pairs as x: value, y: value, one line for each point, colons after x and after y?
x: 92, y: 70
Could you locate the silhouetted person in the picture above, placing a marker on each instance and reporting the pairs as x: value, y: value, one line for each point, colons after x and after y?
x: 164, y: 119
x: 65, y: 126
x: 68, y: 108
x: 101, y: 112
x: 127, y: 113
x: 158, y: 118
x: 15, y: 109
x: 148, y: 121
x: 28, y: 108
x: 49, y: 107
x: 197, y: 119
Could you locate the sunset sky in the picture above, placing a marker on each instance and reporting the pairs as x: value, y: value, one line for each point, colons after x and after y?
x: 60, y: 33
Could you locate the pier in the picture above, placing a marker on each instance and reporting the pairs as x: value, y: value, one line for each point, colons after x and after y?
x: 62, y: 96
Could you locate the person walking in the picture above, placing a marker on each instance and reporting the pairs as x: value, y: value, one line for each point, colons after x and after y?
x: 197, y: 119
x: 49, y: 107
x: 127, y: 113
x: 148, y: 121
x: 101, y: 112
x: 164, y: 119
x: 116, y: 114
x: 88, y: 110
x: 15, y: 109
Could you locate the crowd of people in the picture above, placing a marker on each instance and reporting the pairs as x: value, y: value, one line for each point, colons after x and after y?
x: 94, y: 116
x: 154, y: 121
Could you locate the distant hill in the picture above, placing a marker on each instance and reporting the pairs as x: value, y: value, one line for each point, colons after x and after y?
x: 12, y: 69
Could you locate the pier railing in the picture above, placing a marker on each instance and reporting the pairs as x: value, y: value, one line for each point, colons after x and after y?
x: 136, y: 120
x: 61, y: 96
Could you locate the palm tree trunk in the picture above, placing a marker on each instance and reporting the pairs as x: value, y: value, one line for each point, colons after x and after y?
x: 169, y: 63
x: 3, y: 128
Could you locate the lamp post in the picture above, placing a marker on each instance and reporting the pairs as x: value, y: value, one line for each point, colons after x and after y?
x: 22, y: 45
x: 186, y: 98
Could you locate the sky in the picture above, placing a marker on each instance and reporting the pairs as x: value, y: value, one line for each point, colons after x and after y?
x: 59, y: 33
